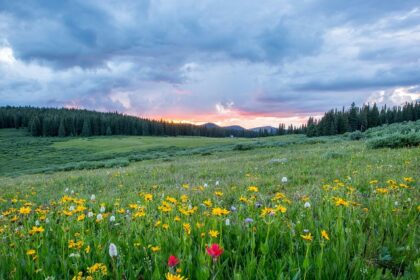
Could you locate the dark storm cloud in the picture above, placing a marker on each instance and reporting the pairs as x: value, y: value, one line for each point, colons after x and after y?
x: 261, y: 57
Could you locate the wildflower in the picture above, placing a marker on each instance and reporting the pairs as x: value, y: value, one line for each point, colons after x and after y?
x: 248, y: 220
x: 213, y: 233
x: 233, y: 208
x: 381, y: 190
x: 93, y: 197
x: 98, y: 267
x: 81, y: 217
x: 281, y: 209
x: 253, y: 189
x: 87, y: 249
x: 219, y: 211
x: 339, y: 201
x: 148, y: 197
x: 208, y: 203
x: 113, y: 252
x: 268, y: 211
x: 99, y: 217
x: 25, y: 210
x: 165, y: 226
x: 307, y: 204
x: 102, y: 209
x: 112, y: 219
x: 219, y: 194
x: 227, y: 222
x: 155, y: 249
x: 284, y: 180
x: 214, y: 251
x: 30, y: 252
x: 307, y: 237
x: 74, y: 255
x: 172, y: 261
x: 90, y: 214
x: 408, y: 179
x: 187, y: 228
x: 217, y: 183
x: 170, y: 276
x: 324, y: 235
x: 36, y: 230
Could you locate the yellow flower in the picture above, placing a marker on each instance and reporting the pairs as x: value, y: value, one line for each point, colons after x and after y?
x: 253, y: 189
x: 324, y: 235
x: 278, y: 196
x: 381, y: 190
x: 170, y: 276
x: 81, y: 217
x: 155, y: 249
x: 187, y: 228
x: 140, y: 213
x: 25, y: 210
x: 281, y: 209
x: 121, y: 211
x: 243, y: 199
x: 148, y: 197
x: 373, y: 182
x: 218, y: 194
x: 87, y: 249
x: 268, y: 211
x: 165, y: 226
x: 31, y: 252
x: 98, y: 267
x: 171, y: 199
x: 408, y: 179
x: 208, y: 203
x: 307, y: 237
x: 219, y: 211
x: 339, y: 201
x: 36, y: 230
x: 177, y: 219
x: 184, y: 198
x: 213, y: 233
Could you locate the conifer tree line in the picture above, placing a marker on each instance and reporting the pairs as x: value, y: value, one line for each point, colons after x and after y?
x: 361, y: 118
x: 74, y: 122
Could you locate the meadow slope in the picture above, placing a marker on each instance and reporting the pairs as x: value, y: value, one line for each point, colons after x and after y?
x: 345, y: 212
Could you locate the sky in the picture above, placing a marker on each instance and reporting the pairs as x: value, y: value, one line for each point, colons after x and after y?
x: 250, y: 63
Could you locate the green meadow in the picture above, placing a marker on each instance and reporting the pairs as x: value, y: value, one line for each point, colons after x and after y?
x: 283, y: 207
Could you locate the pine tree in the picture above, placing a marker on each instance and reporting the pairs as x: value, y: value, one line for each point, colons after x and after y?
x: 62, y: 129
x: 86, y: 129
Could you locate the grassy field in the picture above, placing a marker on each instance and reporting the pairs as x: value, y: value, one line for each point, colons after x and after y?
x: 344, y: 212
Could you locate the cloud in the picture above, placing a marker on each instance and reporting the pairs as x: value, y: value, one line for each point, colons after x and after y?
x: 231, y: 60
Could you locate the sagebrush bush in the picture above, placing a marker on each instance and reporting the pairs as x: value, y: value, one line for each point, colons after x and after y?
x: 356, y: 135
x: 396, y: 140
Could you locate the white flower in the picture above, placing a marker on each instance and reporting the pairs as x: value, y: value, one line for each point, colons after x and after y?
x: 99, y: 217
x: 396, y: 203
x: 284, y: 180
x: 112, y: 219
x: 93, y: 197
x: 227, y: 222
x: 37, y: 223
x: 113, y: 250
x: 74, y: 255
x: 217, y: 183
x: 47, y: 220
x: 72, y: 192
x: 90, y: 214
x: 71, y: 208
x: 66, y: 190
x: 102, y: 210
x: 307, y: 204
x: 205, y: 185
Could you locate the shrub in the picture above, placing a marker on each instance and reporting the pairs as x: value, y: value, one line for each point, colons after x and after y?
x: 356, y: 135
x: 396, y: 140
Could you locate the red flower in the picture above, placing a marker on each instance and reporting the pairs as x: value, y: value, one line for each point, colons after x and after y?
x: 172, y: 261
x: 214, y: 250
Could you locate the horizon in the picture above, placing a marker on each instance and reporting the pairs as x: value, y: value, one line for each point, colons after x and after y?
x: 236, y: 63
